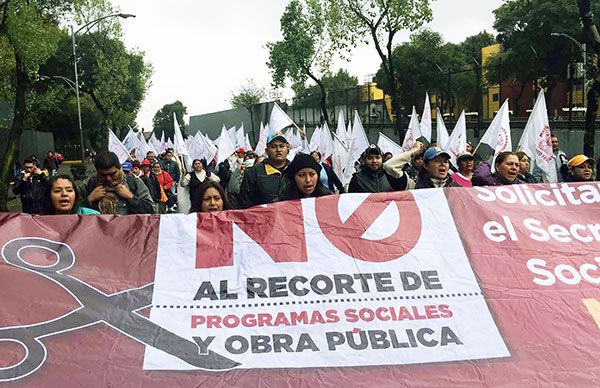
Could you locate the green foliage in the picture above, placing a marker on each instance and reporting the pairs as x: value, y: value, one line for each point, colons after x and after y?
x: 335, y: 86
x: 163, y: 119
x: 248, y: 95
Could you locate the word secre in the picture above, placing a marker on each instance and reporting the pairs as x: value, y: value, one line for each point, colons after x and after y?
x: 339, y: 284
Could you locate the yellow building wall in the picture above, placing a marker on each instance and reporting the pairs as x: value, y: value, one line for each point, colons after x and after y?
x: 491, y: 99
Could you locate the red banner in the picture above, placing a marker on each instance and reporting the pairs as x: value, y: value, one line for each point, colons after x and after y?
x: 76, y: 293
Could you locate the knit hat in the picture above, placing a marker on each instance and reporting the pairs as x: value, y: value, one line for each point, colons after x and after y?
x: 302, y: 161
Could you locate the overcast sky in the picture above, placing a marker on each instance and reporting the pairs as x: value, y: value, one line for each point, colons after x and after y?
x: 204, y: 50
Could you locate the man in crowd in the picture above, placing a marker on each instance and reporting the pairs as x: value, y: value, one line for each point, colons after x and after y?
x: 377, y: 177
x: 260, y: 184
x: 560, y: 159
x: 110, y: 191
x: 172, y: 167
x: 29, y: 185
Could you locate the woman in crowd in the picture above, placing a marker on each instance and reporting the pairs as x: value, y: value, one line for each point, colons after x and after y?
x: 165, y: 182
x: 61, y: 197
x: 194, y: 179
x: 507, y: 171
x: 327, y: 176
x: 209, y: 197
x: 466, y: 164
x: 524, y: 168
x: 581, y: 169
x: 435, y: 170
x: 301, y: 179
x: 50, y: 163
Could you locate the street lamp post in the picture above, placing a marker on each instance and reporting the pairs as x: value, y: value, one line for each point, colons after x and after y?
x: 73, y: 33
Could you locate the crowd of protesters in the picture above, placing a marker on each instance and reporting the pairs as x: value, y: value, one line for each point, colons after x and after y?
x: 245, y: 179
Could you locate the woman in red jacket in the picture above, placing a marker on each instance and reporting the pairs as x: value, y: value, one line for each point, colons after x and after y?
x: 167, y: 198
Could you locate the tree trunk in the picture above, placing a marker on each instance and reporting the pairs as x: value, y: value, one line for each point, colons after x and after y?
x: 18, y: 125
x: 592, y: 72
x: 323, y: 101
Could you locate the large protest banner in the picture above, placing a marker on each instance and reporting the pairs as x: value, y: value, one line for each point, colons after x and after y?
x: 458, y: 286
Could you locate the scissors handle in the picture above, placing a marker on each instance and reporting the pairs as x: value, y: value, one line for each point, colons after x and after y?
x: 64, y: 255
x: 35, y: 354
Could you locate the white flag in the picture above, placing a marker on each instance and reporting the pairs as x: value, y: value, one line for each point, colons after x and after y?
x: 497, y: 135
x: 388, y: 145
x: 413, y: 132
x: 247, y: 144
x: 154, y: 141
x: 262, y: 139
x: 163, y: 143
x: 179, y: 145
x: 535, y: 141
x: 226, y: 147
x: 457, y: 142
x: 442, y: 132
x: 326, y: 144
x: 151, y: 148
x: 315, y: 140
x: 240, y: 138
x: 132, y: 142
x: 143, y: 150
x: 279, y: 119
x: 115, y: 145
x: 426, y: 120
x: 341, y: 129
x: 232, y: 134
x: 212, y: 148
x: 360, y: 141
x: 339, y: 160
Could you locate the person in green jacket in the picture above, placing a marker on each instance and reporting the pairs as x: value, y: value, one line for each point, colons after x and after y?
x: 261, y: 182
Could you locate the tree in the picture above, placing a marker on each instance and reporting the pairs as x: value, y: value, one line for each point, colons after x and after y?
x: 378, y: 20
x: 306, y: 50
x: 246, y: 97
x: 334, y: 84
x: 427, y: 63
x: 29, y: 33
x: 592, y: 38
x: 163, y: 119
x: 530, y: 52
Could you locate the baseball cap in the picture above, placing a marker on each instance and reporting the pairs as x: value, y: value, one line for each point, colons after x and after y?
x: 126, y: 166
x: 465, y: 155
x: 434, y: 152
x: 373, y: 150
x: 240, y: 149
x: 578, y: 160
x: 146, y: 162
x: 276, y: 136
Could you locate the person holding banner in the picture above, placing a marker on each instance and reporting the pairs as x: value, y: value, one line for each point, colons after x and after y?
x: 301, y: 179
x: 377, y: 177
x: 581, y: 169
x: 260, y: 184
x: 111, y: 192
x: 209, y: 197
x: 436, y: 166
x: 61, y: 197
x: 507, y: 171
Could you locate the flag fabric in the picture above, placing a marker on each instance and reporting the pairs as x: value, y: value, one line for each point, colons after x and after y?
x: 232, y: 134
x: 169, y: 144
x: 442, y: 133
x: 240, y: 138
x: 315, y: 139
x: 326, y: 144
x: 115, y: 145
x: 132, y: 143
x: 339, y: 160
x: 341, y: 129
x: 536, y: 142
x: 388, y: 145
x: 163, y: 143
x: 457, y: 142
x: 360, y: 141
x: 247, y: 144
x: 425, y: 125
x: 143, y: 147
x: 179, y: 145
x: 413, y: 132
x: 497, y: 135
x: 262, y: 139
x: 155, y: 142
x: 279, y: 119
x: 226, y: 147
x: 211, y: 147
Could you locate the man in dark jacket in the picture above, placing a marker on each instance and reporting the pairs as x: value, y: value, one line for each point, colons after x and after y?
x: 30, y: 185
x: 111, y: 192
x: 378, y: 177
x: 261, y: 182
x: 169, y: 165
